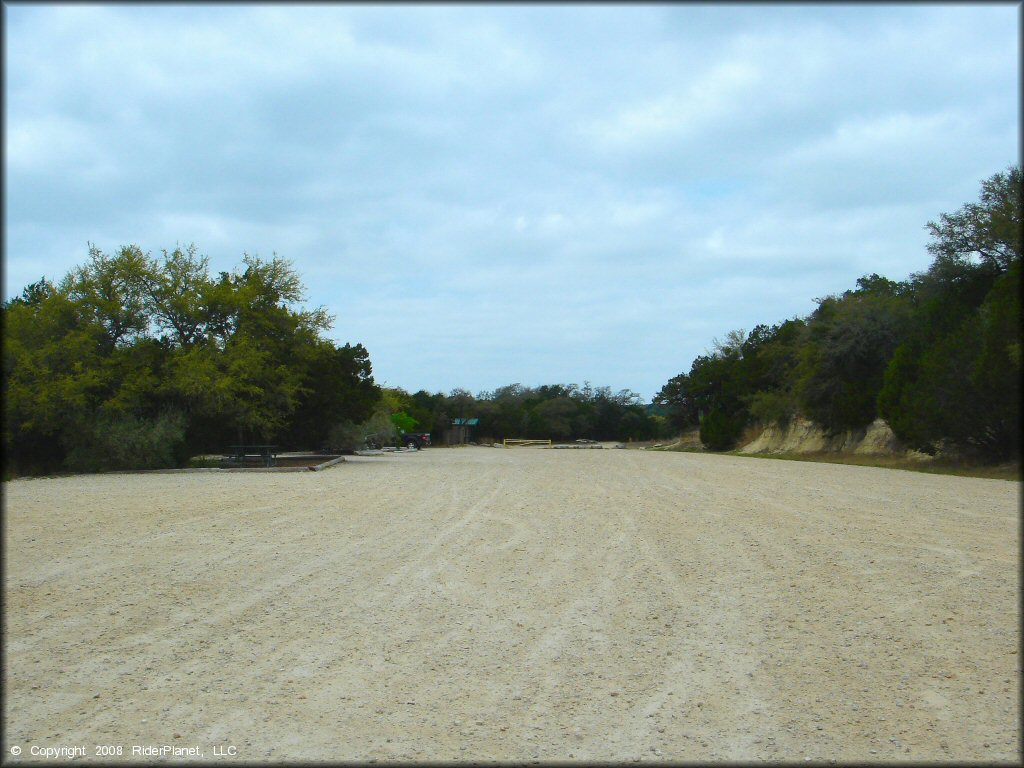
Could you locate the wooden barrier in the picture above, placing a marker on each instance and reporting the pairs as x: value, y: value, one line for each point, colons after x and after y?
x: 512, y: 441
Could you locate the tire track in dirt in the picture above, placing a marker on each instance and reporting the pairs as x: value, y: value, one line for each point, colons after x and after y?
x: 868, y: 672
x: 453, y: 531
x: 519, y: 605
x: 708, y: 656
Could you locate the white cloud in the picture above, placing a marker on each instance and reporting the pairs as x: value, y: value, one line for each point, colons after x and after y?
x: 866, y: 138
x: 631, y: 215
x: 693, y: 106
x: 523, y: 189
x: 46, y: 144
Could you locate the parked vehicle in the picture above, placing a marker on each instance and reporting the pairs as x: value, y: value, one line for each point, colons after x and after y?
x: 415, y: 439
x: 380, y: 442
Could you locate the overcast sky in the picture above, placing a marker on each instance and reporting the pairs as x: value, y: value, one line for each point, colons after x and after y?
x: 489, y: 194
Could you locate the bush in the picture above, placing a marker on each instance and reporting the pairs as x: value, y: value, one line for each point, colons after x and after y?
x: 347, y: 436
x: 772, y: 408
x: 344, y: 437
x: 127, y: 442
x: 719, y: 431
x: 403, y: 421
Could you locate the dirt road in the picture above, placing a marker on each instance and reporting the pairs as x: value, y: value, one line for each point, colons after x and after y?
x: 516, y: 604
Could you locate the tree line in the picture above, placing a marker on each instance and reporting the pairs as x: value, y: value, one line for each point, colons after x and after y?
x: 136, y: 362
x: 132, y: 361
x: 549, y: 411
x: 937, y: 356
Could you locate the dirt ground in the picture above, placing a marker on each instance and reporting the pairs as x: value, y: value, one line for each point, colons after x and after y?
x: 515, y: 604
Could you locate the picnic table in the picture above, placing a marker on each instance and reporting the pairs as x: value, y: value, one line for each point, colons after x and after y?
x: 267, y: 453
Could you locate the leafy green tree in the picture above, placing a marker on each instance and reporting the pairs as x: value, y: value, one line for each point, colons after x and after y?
x: 954, y: 382
x: 423, y: 419
x: 126, y: 343
x: 461, y: 402
x: 986, y: 234
x: 849, y: 344
x: 553, y: 418
x: 178, y: 293
x: 681, y: 408
x: 403, y: 421
x: 111, y: 291
x: 938, y: 356
x: 337, y: 386
x: 960, y: 390
x: 395, y: 398
x: 719, y: 431
x: 772, y: 355
x: 54, y: 371
x: 257, y: 373
x: 502, y: 412
x: 430, y: 410
x: 717, y: 382
x: 555, y: 411
x: 996, y: 373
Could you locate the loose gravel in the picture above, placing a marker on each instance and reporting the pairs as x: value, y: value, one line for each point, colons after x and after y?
x: 516, y: 605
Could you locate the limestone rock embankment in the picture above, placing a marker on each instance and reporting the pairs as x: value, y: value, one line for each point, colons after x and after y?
x: 803, y: 436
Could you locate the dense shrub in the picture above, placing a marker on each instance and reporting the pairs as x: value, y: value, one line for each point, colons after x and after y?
x: 719, y: 431
x: 772, y: 407
x: 346, y: 436
x: 127, y: 442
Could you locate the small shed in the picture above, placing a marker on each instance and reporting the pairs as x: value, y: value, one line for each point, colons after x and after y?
x: 460, y: 431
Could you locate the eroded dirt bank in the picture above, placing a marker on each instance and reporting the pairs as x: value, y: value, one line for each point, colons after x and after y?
x: 515, y: 605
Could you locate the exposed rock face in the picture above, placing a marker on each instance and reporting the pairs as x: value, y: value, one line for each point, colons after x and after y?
x: 803, y: 436
x: 879, y: 438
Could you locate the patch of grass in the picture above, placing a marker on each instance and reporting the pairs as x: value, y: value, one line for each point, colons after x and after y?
x: 204, y: 462
x: 939, y: 466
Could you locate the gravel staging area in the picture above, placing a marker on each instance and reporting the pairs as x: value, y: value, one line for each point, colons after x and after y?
x: 514, y: 605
